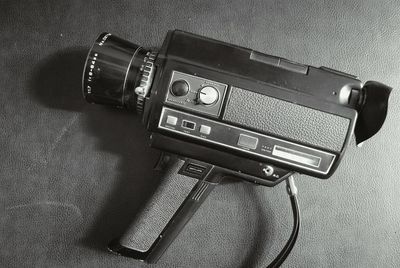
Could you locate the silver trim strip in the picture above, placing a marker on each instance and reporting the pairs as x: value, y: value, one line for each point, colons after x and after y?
x: 295, y: 156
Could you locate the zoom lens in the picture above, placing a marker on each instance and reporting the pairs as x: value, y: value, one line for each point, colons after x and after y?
x: 112, y: 70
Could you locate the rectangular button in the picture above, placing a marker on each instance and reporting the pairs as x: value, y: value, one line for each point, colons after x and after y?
x: 172, y: 120
x: 205, y: 130
x: 195, y: 169
x: 188, y: 124
x: 247, y: 141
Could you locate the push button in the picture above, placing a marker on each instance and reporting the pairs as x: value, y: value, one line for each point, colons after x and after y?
x: 180, y: 88
x: 205, y: 130
x: 172, y: 120
x: 247, y: 141
x: 188, y: 124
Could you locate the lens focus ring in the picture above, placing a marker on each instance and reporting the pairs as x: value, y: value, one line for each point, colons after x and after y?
x: 146, y: 79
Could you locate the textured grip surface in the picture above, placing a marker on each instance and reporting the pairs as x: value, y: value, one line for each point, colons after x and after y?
x: 285, y: 119
x: 169, y: 196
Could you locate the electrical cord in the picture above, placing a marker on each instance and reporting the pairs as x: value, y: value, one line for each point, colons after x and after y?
x: 292, y: 192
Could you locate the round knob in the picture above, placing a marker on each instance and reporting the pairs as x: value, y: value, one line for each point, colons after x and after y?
x: 180, y: 88
x: 208, y: 95
x: 268, y: 171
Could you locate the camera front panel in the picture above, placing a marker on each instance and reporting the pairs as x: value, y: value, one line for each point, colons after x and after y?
x: 185, y: 116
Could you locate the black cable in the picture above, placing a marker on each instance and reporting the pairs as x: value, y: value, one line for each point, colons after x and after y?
x: 292, y: 191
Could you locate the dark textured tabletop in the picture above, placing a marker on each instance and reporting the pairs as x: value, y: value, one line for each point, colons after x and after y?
x: 73, y: 175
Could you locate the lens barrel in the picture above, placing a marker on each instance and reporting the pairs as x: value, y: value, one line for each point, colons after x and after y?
x: 112, y: 71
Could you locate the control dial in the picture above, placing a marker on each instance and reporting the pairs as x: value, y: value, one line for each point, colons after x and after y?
x: 208, y: 95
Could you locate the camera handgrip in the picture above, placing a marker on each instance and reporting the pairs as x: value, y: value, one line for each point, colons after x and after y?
x: 166, y: 213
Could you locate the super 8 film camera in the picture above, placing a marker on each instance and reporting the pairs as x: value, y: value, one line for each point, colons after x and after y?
x: 219, y: 110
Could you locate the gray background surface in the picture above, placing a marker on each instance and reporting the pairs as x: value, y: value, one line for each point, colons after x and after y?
x: 73, y: 175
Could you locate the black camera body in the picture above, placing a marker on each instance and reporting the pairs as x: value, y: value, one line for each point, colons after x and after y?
x: 226, y: 110
x: 265, y: 110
